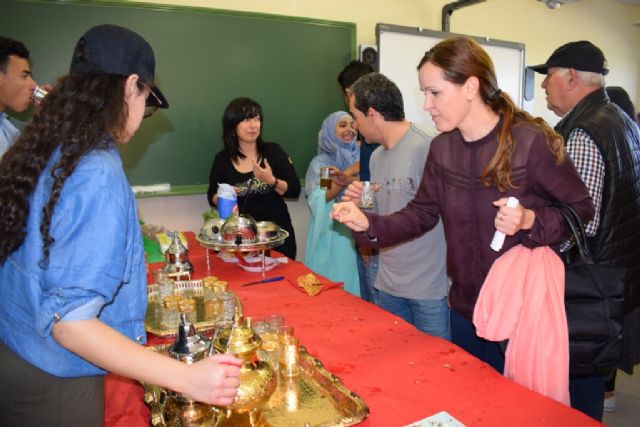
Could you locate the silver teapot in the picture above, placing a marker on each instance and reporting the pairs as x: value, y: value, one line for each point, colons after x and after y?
x: 177, y: 257
x: 180, y: 409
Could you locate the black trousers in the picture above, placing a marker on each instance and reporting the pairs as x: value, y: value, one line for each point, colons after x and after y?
x: 31, y: 397
x: 587, y: 394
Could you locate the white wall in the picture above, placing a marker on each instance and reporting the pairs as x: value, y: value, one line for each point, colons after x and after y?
x: 607, y: 23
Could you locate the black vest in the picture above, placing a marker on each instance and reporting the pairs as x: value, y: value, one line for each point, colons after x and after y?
x: 617, y: 240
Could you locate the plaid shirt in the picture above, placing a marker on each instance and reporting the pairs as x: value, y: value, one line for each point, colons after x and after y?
x: 582, y: 149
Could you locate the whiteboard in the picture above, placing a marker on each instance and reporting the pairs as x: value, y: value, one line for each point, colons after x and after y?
x: 400, y: 50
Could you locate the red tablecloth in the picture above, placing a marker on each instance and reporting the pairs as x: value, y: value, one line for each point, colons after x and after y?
x: 402, y: 374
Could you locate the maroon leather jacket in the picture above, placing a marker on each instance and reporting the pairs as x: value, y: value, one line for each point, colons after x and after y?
x: 450, y: 189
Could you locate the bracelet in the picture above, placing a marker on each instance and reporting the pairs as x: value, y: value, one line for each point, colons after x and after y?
x: 275, y: 183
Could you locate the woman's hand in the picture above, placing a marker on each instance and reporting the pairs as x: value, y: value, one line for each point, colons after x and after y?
x: 353, y: 192
x: 349, y: 214
x: 342, y: 178
x: 511, y: 220
x: 264, y: 174
x: 353, y: 170
x: 214, y: 380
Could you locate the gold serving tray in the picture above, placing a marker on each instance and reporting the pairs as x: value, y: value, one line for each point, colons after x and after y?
x: 316, y: 398
x: 194, y: 289
x: 152, y: 327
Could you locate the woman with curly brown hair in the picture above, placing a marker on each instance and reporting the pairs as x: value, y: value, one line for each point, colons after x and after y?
x: 488, y: 150
x: 72, y: 271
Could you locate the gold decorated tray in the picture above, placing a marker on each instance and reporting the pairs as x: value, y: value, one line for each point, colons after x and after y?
x: 245, y: 247
x: 190, y: 288
x: 153, y: 327
x: 316, y: 398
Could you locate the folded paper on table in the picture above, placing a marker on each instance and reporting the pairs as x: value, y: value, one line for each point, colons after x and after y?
x: 324, y: 286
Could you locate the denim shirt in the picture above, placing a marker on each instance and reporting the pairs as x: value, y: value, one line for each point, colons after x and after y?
x: 95, y: 269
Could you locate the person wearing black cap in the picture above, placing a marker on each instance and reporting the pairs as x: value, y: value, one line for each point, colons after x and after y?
x: 72, y: 270
x: 603, y: 144
x: 621, y: 98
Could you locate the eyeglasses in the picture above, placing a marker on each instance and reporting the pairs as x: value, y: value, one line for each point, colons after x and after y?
x: 150, y: 109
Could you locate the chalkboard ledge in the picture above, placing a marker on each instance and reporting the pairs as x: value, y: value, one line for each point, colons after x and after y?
x: 182, y: 190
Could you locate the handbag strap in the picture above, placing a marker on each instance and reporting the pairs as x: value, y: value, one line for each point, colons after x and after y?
x: 577, y: 229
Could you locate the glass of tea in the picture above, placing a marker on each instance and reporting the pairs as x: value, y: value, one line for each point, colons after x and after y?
x: 367, y: 198
x: 325, y: 177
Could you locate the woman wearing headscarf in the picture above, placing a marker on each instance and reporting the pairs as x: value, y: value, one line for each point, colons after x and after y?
x: 330, y: 249
x: 337, y: 149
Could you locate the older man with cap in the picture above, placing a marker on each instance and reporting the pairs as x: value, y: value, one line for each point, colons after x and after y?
x: 603, y: 143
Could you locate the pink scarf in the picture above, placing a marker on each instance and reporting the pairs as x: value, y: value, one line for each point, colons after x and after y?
x: 522, y: 300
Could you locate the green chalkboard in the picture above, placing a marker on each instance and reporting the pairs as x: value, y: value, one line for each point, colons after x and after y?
x: 204, y: 58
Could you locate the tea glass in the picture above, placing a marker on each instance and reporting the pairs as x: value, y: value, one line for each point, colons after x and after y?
x: 325, y: 177
x: 290, y: 357
x: 367, y: 200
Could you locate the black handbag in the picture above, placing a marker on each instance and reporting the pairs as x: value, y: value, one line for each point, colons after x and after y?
x: 594, y: 297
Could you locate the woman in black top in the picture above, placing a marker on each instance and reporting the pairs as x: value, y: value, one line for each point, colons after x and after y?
x: 261, y: 172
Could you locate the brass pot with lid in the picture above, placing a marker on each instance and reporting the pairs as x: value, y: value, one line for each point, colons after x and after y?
x: 258, y: 380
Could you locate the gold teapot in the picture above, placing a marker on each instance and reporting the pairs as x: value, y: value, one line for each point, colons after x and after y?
x: 258, y: 381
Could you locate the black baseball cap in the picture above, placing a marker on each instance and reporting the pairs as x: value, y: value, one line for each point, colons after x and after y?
x: 581, y: 55
x: 111, y: 49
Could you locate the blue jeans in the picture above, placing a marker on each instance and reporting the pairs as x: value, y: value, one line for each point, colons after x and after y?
x: 367, y: 275
x: 463, y: 333
x: 428, y: 315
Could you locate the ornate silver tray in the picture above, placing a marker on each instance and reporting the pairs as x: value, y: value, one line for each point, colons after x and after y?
x: 316, y: 398
x: 245, y: 247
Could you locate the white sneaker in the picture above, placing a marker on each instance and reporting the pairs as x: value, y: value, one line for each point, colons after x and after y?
x: 610, y: 404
